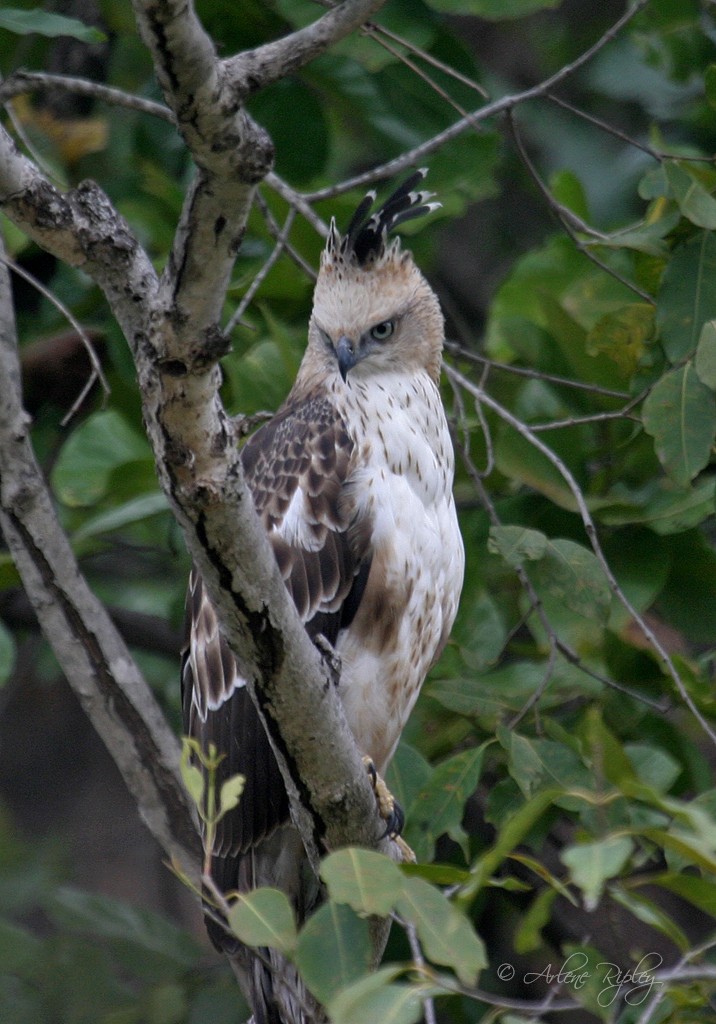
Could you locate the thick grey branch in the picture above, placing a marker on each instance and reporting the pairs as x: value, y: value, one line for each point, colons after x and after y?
x: 94, y: 658
x: 170, y: 326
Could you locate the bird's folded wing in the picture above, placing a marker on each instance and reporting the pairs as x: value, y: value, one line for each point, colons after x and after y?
x: 298, y: 468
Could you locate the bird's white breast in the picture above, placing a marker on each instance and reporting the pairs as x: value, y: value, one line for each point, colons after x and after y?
x: 403, y: 483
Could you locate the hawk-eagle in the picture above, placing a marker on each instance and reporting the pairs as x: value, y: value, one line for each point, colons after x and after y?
x: 352, y: 479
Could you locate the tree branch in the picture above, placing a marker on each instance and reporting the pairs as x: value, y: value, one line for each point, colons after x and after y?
x: 95, y: 660
x: 258, y: 68
x: 170, y: 326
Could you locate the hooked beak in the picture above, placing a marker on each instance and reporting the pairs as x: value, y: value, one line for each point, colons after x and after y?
x: 345, y: 351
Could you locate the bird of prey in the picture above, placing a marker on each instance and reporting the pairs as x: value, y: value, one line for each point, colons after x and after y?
x: 352, y: 480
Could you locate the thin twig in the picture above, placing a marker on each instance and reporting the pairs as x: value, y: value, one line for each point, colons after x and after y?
x: 276, y: 231
x: 656, y: 154
x: 417, y: 51
x: 263, y: 273
x: 298, y: 202
x: 26, y: 81
x: 499, y: 106
x: 593, y: 537
x: 96, y: 373
x: 419, y: 960
x: 569, y: 220
x: 454, y: 348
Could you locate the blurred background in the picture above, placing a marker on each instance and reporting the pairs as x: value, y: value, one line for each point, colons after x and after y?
x: 75, y: 860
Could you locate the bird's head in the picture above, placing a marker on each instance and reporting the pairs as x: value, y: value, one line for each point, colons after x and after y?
x: 373, y: 311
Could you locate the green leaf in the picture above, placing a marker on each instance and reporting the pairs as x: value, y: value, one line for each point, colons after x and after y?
x: 7, y: 654
x: 694, y: 201
x: 710, y: 84
x: 705, y: 360
x: 407, y: 774
x: 516, y: 827
x: 571, y: 574
x: 367, y: 881
x: 701, y: 892
x: 680, y: 414
x: 653, y: 765
x: 230, y: 793
x: 534, y: 763
x: 592, y: 864
x: 129, y: 512
x: 606, y: 754
x: 440, y: 805
x: 687, y: 297
x: 447, y: 937
x: 333, y: 950
x: 521, y: 462
x: 516, y: 544
x: 569, y: 191
x: 21, y: 952
x: 192, y: 777
x: 648, y: 237
x: 101, y: 444
x: 527, y: 936
x: 622, y: 334
x: 374, y: 998
x: 650, y: 913
x: 91, y: 913
x: 45, y: 23
x: 264, y: 917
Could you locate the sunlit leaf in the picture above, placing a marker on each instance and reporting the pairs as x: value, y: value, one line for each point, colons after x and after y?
x: 230, y: 793
x: 192, y: 777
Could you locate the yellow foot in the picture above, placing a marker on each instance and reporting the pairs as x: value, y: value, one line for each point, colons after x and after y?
x: 390, y: 811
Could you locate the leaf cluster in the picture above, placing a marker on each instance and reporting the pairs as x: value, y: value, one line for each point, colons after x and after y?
x: 557, y: 775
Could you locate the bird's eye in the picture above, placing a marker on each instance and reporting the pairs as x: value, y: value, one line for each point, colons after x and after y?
x: 382, y: 331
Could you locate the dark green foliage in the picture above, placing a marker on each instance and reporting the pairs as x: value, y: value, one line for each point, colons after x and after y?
x: 557, y: 771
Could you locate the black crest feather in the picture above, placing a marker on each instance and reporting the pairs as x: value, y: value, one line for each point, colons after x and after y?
x: 366, y: 235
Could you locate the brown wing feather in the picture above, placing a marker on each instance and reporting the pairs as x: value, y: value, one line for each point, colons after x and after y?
x: 296, y: 468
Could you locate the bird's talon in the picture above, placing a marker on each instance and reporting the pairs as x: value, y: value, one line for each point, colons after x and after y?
x: 390, y: 811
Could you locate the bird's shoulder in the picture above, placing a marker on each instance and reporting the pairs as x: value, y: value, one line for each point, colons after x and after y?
x: 305, y: 446
x: 299, y: 468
